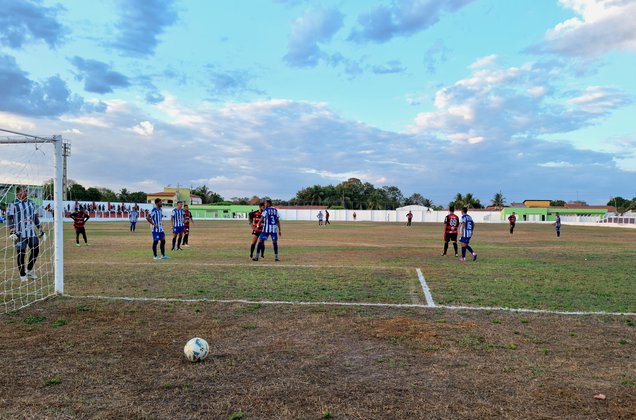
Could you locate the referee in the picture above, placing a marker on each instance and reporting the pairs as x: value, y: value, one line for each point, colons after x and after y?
x: 22, y: 220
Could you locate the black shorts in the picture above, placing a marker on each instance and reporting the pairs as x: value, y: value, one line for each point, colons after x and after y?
x: 80, y: 230
x: 450, y: 237
x: 257, y: 232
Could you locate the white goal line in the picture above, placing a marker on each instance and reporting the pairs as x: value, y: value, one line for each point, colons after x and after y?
x: 253, y: 264
x: 349, y: 304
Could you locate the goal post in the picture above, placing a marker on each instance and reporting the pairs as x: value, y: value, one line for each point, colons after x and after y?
x: 31, y: 264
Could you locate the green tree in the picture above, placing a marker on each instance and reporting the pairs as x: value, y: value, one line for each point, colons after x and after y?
x: 124, y: 195
x: 137, y: 197
x: 77, y: 192
x: 93, y: 194
x: 498, y: 201
x: 557, y: 203
x: 107, y: 194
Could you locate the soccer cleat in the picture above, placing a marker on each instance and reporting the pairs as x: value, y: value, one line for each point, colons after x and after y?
x: 277, y: 259
x: 462, y: 259
x: 255, y: 259
x: 156, y: 257
x: 87, y: 244
x: 444, y: 254
x: 475, y: 256
x: 23, y: 278
x: 165, y: 257
x: 179, y: 249
x: 77, y: 244
x: 32, y: 274
x: 456, y: 255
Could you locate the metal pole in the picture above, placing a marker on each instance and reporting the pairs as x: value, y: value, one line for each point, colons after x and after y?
x: 58, y: 217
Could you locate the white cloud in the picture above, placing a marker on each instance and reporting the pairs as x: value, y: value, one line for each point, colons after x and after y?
x: 144, y: 128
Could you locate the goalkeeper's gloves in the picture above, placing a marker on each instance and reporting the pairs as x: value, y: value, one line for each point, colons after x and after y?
x: 12, y: 236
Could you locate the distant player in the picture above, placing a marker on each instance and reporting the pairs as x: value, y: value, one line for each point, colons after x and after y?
x: 187, y: 219
x: 557, y: 225
x: 22, y: 220
x: 466, y: 229
x: 320, y: 217
x: 451, y: 224
x: 80, y: 217
x: 512, y: 219
x: 255, y: 219
x: 354, y: 216
x: 271, y: 227
x: 158, y: 235
x: 178, y: 225
x: 409, y: 218
x: 133, y: 216
x: 327, y: 222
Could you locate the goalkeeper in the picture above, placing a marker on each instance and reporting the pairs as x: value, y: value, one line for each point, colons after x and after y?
x: 22, y: 221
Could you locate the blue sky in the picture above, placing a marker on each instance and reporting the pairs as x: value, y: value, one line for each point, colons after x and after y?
x: 533, y: 98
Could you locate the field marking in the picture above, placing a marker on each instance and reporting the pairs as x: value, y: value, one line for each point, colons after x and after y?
x: 247, y: 264
x: 425, y: 289
x: 354, y: 304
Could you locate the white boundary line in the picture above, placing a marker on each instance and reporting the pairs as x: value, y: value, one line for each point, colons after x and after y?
x: 425, y: 289
x: 251, y: 264
x: 353, y: 304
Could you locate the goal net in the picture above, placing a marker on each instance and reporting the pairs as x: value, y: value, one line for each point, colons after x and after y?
x: 28, y: 251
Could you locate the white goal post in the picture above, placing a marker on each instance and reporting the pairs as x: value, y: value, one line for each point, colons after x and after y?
x: 13, y: 296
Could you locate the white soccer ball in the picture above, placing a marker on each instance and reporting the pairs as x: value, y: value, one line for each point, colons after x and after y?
x: 196, y: 350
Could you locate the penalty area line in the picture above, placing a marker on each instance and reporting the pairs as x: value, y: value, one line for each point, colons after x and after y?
x: 350, y: 304
x: 427, y: 292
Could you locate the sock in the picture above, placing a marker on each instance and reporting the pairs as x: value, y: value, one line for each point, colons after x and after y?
x: 275, y: 244
x: 263, y: 250
x: 445, y: 247
x: 463, y: 252
x: 259, y: 248
x: 469, y: 249
x: 179, y: 242
x: 154, y: 248
x: 558, y: 233
x: 174, y: 240
x: 455, y: 246
x: 163, y: 248
x: 21, y: 255
x: 252, y: 250
x: 185, y: 239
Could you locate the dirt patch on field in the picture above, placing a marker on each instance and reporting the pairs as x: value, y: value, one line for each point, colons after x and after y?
x: 81, y: 358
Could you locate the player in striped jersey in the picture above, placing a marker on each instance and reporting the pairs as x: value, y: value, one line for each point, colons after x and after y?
x: 187, y: 219
x: 133, y: 216
x: 158, y: 235
x: 271, y: 227
x: 466, y: 229
x: 22, y: 220
x: 255, y: 218
x: 178, y: 225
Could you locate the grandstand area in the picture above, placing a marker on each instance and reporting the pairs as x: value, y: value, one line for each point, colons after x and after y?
x: 341, y: 327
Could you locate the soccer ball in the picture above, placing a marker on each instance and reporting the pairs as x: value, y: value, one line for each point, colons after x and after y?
x: 196, y: 350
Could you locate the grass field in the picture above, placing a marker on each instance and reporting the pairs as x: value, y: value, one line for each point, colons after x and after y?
x: 72, y: 357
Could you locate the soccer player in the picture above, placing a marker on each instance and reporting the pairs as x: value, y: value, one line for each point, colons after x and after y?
x: 80, y: 217
x: 271, y: 227
x: 327, y: 217
x: 466, y: 229
x: 319, y: 216
x: 255, y: 219
x: 178, y: 225
x: 409, y: 217
x: 158, y: 235
x: 187, y: 218
x: 354, y: 216
x: 451, y: 223
x: 557, y: 225
x: 133, y: 216
x: 22, y: 220
x: 512, y: 219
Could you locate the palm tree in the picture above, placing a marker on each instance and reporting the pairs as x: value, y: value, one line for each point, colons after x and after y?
x: 498, y: 201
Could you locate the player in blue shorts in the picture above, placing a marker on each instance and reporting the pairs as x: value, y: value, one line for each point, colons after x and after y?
x: 557, y: 225
x: 158, y: 235
x: 271, y: 227
x: 178, y: 225
x: 466, y: 229
x: 133, y: 216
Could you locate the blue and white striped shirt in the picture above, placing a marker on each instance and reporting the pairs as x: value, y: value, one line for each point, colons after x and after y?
x: 270, y: 220
x: 133, y: 216
x: 468, y: 224
x: 178, y: 219
x: 23, y: 217
x: 156, y: 215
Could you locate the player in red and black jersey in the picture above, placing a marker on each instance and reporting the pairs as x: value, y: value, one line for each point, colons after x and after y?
x: 255, y: 219
x: 451, y: 224
x: 512, y: 220
x: 79, y: 221
x: 187, y: 219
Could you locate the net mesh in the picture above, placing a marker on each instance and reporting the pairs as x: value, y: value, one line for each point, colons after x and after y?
x: 27, y: 165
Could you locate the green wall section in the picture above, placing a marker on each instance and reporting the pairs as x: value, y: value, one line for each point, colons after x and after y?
x: 549, y: 214
x: 227, y: 211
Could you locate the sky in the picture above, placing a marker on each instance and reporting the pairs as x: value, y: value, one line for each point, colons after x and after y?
x: 535, y: 99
